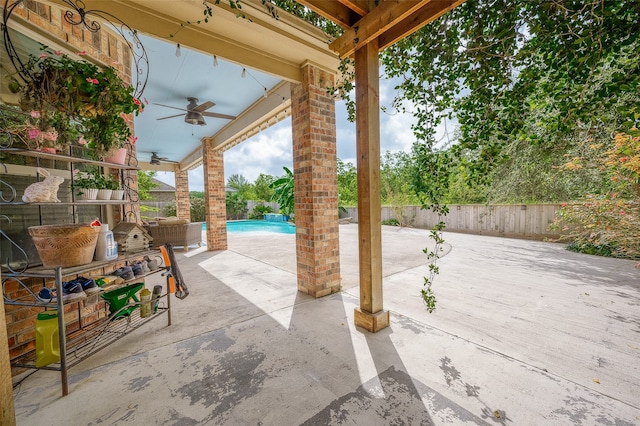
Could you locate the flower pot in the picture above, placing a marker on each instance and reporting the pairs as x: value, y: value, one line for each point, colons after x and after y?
x: 117, y: 194
x: 104, y: 194
x: 87, y: 193
x: 118, y: 157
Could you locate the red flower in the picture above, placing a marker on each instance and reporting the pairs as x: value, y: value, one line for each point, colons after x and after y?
x: 136, y: 101
x: 82, y: 52
x: 93, y: 80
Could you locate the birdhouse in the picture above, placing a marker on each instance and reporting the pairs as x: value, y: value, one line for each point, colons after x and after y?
x: 131, y: 237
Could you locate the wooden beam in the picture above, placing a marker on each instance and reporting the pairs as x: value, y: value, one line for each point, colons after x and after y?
x: 370, y: 314
x: 428, y: 13
x: 361, y: 7
x: 376, y: 22
x: 333, y: 10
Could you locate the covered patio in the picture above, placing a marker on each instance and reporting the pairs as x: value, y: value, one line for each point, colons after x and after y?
x: 525, y: 333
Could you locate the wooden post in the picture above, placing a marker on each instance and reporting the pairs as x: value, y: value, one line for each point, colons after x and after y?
x: 370, y: 315
x: 7, y: 413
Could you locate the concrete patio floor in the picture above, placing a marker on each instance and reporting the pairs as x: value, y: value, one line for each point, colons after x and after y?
x: 525, y: 333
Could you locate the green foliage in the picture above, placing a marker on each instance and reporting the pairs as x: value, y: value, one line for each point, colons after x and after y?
x: 196, y: 194
x: 546, y: 73
x: 198, y: 210
x: 236, y: 206
x: 146, y: 183
x: 262, y: 188
x: 170, y: 210
x: 607, y: 224
x: 259, y: 211
x: 283, y: 192
x: 391, y: 222
x: 347, y: 184
x: 242, y: 185
x: 80, y: 99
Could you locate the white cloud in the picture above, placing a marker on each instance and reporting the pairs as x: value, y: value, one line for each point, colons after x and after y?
x: 267, y: 153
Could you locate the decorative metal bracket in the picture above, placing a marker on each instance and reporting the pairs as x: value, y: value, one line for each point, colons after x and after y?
x: 89, y: 19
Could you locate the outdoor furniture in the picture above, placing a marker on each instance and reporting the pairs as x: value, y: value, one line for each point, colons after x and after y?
x: 178, y: 232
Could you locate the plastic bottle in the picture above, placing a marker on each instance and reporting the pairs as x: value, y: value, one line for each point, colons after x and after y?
x: 145, y: 303
x: 157, y: 292
x: 106, y: 247
x: 47, y: 338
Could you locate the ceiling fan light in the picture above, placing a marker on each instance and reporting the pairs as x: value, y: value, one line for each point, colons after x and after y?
x: 194, y: 117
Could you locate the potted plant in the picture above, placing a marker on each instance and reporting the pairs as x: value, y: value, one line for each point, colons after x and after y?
x: 87, y: 104
x: 85, y: 185
x: 117, y: 193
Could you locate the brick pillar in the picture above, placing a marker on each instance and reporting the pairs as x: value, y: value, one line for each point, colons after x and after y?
x: 183, y: 203
x: 215, y: 202
x: 315, y: 183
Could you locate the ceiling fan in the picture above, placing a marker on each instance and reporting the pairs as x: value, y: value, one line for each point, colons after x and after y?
x: 156, y: 159
x: 195, y: 113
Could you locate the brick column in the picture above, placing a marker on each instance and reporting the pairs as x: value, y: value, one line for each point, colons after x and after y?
x: 183, y: 203
x: 315, y: 183
x: 215, y: 201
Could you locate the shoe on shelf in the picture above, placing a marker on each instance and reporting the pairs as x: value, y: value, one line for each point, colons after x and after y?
x: 88, y: 285
x: 126, y: 273
x: 47, y: 295
x: 72, y: 290
x: 137, y: 269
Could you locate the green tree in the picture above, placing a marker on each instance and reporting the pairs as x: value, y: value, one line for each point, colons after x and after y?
x: 553, y: 74
x: 236, y: 206
x: 242, y: 185
x: 347, y: 184
x: 262, y: 188
x: 283, y: 192
x: 146, y: 183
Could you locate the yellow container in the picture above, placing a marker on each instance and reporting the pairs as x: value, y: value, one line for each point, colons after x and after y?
x: 47, y: 338
x: 145, y: 303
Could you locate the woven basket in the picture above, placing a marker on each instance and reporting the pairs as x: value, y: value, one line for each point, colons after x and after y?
x: 64, y: 245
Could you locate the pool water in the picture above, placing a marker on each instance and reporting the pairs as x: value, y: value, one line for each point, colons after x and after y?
x: 258, y: 226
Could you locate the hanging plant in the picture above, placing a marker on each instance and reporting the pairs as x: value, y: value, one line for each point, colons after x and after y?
x: 88, y: 105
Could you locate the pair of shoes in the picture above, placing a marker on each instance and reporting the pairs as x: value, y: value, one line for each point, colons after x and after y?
x: 126, y: 273
x: 88, y: 285
x: 70, y: 291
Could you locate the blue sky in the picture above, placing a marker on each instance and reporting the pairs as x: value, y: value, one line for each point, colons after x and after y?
x: 271, y: 150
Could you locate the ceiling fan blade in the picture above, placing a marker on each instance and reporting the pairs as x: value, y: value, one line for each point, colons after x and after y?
x: 216, y: 115
x: 204, y: 106
x: 169, y: 106
x: 171, y: 116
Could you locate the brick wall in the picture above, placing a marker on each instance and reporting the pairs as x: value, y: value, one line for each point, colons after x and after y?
x: 215, y: 199
x: 315, y: 180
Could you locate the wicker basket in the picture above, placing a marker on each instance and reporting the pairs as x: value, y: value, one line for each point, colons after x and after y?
x: 64, y: 245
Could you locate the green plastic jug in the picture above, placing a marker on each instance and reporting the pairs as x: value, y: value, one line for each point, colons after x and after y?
x: 47, y: 338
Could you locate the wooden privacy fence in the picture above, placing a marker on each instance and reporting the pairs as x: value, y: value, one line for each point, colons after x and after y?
x: 529, y: 221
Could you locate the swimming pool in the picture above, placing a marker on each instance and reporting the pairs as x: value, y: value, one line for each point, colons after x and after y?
x: 258, y: 226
